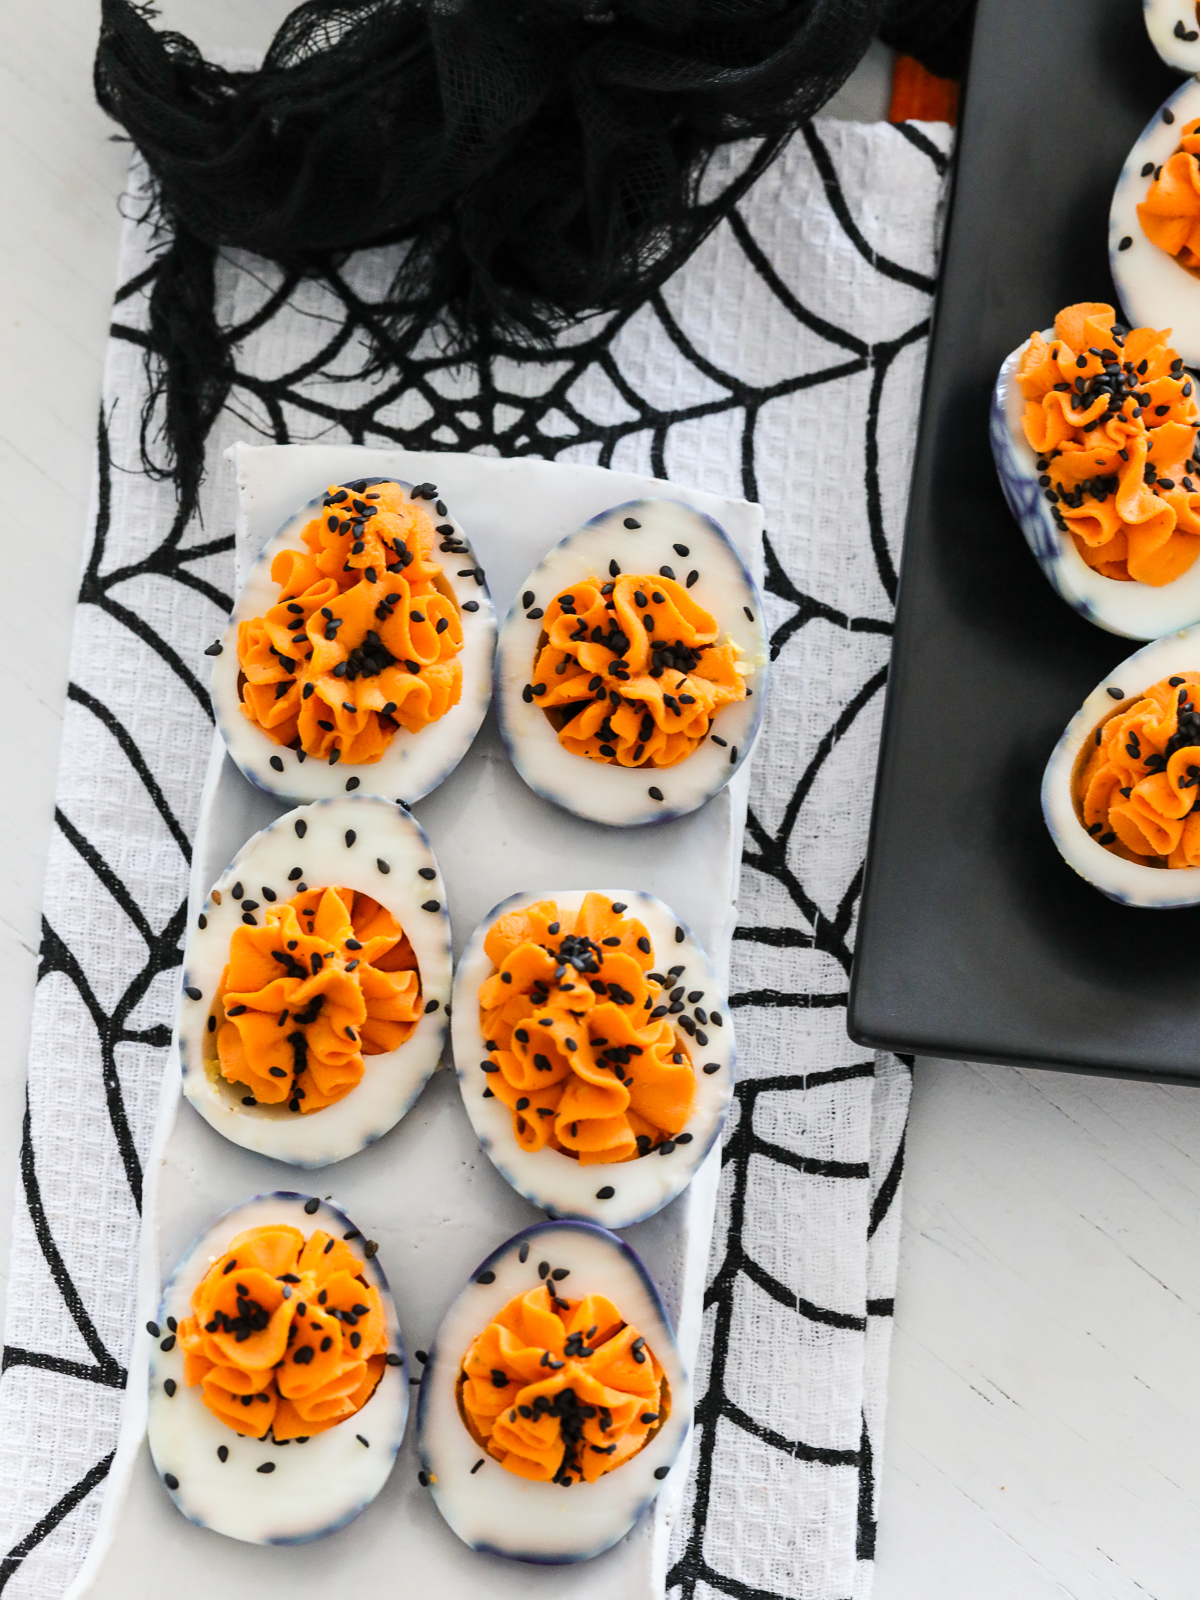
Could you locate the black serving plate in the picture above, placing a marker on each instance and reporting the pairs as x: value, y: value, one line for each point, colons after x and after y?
x: 975, y: 939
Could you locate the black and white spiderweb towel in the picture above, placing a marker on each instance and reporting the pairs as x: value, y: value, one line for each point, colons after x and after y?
x: 783, y: 362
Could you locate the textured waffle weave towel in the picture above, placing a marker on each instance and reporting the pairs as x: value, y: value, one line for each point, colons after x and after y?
x: 783, y: 362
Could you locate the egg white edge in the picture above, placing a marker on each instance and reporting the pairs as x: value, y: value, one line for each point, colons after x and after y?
x: 1132, y: 610
x: 413, y: 764
x: 551, y: 1181
x: 391, y: 1081
x: 608, y: 793
x: 448, y: 1451
x: 1159, y: 888
x: 1161, y: 17
x: 1154, y: 290
x: 335, y: 1456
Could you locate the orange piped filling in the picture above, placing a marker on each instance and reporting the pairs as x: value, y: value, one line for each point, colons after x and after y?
x: 580, y: 1047
x: 328, y: 978
x: 285, y: 1336
x: 631, y: 670
x: 1137, y: 783
x: 1113, y: 420
x: 561, y: 1390
x: 1170, y: 213
x: 365, y: 636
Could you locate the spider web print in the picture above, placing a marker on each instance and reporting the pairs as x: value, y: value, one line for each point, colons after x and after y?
x: 782, y: 362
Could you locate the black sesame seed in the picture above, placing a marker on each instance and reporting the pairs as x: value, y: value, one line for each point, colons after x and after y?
x: 1125, y: 243
x: 1168, y: 115
x: 661, y: 1472
x: 153, y: 1329
x: 312, y: 1206
x: 301, y: 828
x: 1116, y: 694
x: 171, y: 1481
x: 192, y: 992
x: 654, y: 792
x: 267, y: 1466
x: 384, y: 866
x: 712, y: 1066
x: 606, y: 1193
x: 431, y: 905
x: 423, y: 1479
x: 222, y: 1452
x: 632, y: 522
x: 277, y: 763
x: 486, y: 1277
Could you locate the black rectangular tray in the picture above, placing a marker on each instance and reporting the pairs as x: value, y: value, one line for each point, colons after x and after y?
x: 975, y: 939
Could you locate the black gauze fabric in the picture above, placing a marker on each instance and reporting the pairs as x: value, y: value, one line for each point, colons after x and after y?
x: 544, y: 157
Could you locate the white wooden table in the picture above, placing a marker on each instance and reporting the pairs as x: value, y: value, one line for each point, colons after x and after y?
x: 1044, y: 1426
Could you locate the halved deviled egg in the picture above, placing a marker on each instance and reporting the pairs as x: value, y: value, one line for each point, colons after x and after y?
x: 278, y: 1377
x: 1174, y: 29
x: 1120, y: 793
x: 1154, y: 226
x: 555, y: 1368
x: 316, y: 982
x: 360, y: 648
x: 1093, y: 430
x: 632, y: 670
x: 594, y: 1050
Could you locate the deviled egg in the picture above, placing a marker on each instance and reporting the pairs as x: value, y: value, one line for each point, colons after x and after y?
x: 555, y: 1368
x: 632, y: 670
x: 1121, y: 791
x: 594, y: 1050
x: 316, y: 982
x: 1154, y: 224
x: 1174, y: 29
x: 1093, y: 429
x: 278, y: 1377
x: 360, y: 648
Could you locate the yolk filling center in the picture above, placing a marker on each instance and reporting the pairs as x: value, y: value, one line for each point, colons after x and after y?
x: 1137, y: 781
x: 285, y: 1336
x: 328, y: 978
x: 1170, y: 213
x: 561, y: 1390
x: 632, y: 670
x: 1113, y: 420
x: 364, y: 637
x: 580, y: 1044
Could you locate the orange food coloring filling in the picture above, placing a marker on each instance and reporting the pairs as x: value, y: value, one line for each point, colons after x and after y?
x: 561, y: 1390
x: 329, y: 978
x: 579, y: 1045
x: 1137, y: 781
x: 365, y: 635
x: 1170, y: 213
x: 631, y: 670
x: 1113, y: 420
x: 285, y: 1336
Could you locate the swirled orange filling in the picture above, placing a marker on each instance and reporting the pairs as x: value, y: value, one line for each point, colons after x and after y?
x: 562, y: 1390
x: 285, y: 1336
x: 328, y: 978
x: 365, y: 636
x: 1137, y: 784
x: 580, y: 1046
x: 632, y: 670
x: 1113, y: 420
x: 1170, y: 213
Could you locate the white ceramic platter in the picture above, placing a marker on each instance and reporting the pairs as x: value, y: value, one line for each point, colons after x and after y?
x: 425, y: 1191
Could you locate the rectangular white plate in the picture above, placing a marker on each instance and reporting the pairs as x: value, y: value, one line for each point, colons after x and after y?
x: 425, y: 1192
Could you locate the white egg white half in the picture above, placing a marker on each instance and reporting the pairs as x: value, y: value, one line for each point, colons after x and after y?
x: 413, y: 763
x: 1134, y: 610
x: 386, y: 859
x: 494, y: 1510
x: 1174, y: 30
x: 313, y: 1488
x: 607, y: 792
x: 1155, y: 291
x: 550, y: 1180
x: 1130, y: 883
